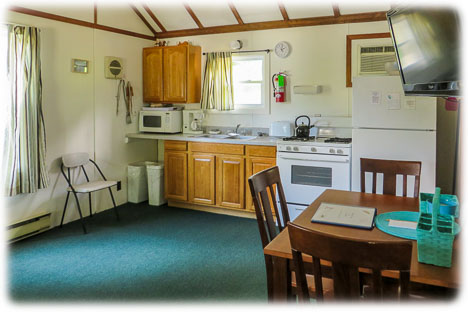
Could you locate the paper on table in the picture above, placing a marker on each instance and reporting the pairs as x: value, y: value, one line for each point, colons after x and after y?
x: 362, y: 217
x: 403, y: 224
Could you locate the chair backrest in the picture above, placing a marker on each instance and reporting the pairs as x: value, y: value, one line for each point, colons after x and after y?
x: 262, y: 188
x: 390, y: 170
x: 75, y: 160
x: 347, y: 256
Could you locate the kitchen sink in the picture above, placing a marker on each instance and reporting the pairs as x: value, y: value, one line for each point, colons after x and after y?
x: 224, y: 136
x: 210, y: 136
x: 241, y: 137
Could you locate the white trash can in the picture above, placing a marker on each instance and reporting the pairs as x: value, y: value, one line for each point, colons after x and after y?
x: 137, y: 181
x: 155, y: 174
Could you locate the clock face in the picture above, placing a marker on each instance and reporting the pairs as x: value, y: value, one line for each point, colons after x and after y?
x: 282, y: 49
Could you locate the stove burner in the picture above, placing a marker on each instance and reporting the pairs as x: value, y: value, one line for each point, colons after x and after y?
x: 295, y: 138
x: 338, y: 140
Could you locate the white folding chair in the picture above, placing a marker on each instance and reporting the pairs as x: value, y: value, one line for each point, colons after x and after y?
x: 76, y: 161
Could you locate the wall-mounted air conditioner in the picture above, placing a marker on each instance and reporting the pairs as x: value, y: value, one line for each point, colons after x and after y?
x: 372, y: 59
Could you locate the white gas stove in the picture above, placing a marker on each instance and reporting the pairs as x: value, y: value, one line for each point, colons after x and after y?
x: 310, y: 166
x: 315, y: 146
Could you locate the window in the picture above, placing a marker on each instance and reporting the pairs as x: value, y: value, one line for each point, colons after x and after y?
x: 250, y: 83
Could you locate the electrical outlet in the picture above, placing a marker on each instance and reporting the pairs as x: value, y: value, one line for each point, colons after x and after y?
x: 119, y: 185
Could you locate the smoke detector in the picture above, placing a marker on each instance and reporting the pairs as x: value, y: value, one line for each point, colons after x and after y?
x: 236, y: 45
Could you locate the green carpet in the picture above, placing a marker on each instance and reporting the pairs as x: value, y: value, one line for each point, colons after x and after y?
x: 159, y: 254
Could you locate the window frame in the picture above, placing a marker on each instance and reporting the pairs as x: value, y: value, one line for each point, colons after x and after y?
x: 264, y: 108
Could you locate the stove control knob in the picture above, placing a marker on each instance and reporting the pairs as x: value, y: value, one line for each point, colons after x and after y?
x: 332, y: 151
x: 296, y: 149
x: 288, y: 148
x: 313, y: 150
x: 339, y: 151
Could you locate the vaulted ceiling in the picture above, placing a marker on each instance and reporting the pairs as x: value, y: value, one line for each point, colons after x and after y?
x: 166, y: 19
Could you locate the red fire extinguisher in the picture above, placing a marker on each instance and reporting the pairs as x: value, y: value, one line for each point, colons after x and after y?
x: 279, y: 84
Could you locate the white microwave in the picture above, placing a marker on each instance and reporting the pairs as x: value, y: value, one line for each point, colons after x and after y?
x: 160, y: 121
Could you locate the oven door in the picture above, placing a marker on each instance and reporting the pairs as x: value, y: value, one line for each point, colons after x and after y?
x: 306, y: 176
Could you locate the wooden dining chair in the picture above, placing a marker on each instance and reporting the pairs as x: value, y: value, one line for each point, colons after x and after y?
x: 390, y: 170
x: 262, y: 188
x: 347, y: 256
x: 272, y: 220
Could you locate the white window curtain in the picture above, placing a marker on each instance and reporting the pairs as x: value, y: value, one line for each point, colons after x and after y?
x: 217, y: 91
x: 24, y: 137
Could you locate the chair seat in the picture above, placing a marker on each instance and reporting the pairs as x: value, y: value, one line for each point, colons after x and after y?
x: 92, y: 186
x: 327, y: 284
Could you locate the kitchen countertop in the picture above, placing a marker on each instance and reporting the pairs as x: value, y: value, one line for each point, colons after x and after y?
x: 261, y: 140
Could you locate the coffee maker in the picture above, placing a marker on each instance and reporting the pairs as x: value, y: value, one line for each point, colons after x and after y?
x: 193, y: 121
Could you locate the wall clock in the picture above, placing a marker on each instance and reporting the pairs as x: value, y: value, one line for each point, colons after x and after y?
x: 282, y: 49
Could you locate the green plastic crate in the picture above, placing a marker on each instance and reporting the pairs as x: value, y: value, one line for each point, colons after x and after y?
x: 435, y: 234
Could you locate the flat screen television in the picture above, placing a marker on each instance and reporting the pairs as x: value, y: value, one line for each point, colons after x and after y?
x: 427, y: 45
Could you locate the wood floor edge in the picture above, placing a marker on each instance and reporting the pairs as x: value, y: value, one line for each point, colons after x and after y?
x: 223, y: 211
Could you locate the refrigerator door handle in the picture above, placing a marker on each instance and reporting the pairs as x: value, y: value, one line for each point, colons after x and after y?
x: 400, y: 129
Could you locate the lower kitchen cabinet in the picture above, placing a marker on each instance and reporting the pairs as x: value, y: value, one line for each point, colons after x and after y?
x: 201, y: 175
x: 213, y: 174
x: 230, y: 181
x: 254, y: 165
x: 175, y: 175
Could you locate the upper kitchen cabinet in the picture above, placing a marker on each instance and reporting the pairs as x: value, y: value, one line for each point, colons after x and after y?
x: 172, y: 74
x: 153, y: 74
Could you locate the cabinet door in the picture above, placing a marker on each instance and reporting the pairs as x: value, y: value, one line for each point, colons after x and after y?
x: 230, y: 182
x: 175, y: 175
x: 202, y: 179
x: 175, y: 74
x: 153, y: 75
x: 254, y: 165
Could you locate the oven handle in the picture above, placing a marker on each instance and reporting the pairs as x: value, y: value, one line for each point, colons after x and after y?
x: 310, y: 159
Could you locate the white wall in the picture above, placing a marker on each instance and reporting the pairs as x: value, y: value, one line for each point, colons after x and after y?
x: 79, y: 112
x: 80, y: 109
x: 318, y: 57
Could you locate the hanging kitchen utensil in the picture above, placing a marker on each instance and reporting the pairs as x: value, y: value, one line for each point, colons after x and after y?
x: 121, y: 86
x: 128, y: 102
x: 302, y: 131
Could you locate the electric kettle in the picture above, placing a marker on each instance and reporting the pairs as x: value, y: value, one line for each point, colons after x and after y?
x: 302, y: 131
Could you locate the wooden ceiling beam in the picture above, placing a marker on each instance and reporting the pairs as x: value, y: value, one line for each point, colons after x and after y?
x: 236, y: 13
x: 283, y: 11
x: 74, y: 21
x: 336, y: 10
x: 301, y: 22
x: 193, y: 15
x: 95, y: 13
x: 143, y: 19
x: 155, y: 19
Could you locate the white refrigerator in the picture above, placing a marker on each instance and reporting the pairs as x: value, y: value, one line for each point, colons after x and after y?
x: 389, y: 125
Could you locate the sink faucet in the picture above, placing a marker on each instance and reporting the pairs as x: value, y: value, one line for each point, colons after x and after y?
x: 237, y: 127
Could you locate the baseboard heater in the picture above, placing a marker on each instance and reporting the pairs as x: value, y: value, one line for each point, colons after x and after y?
x: 29, y: 227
